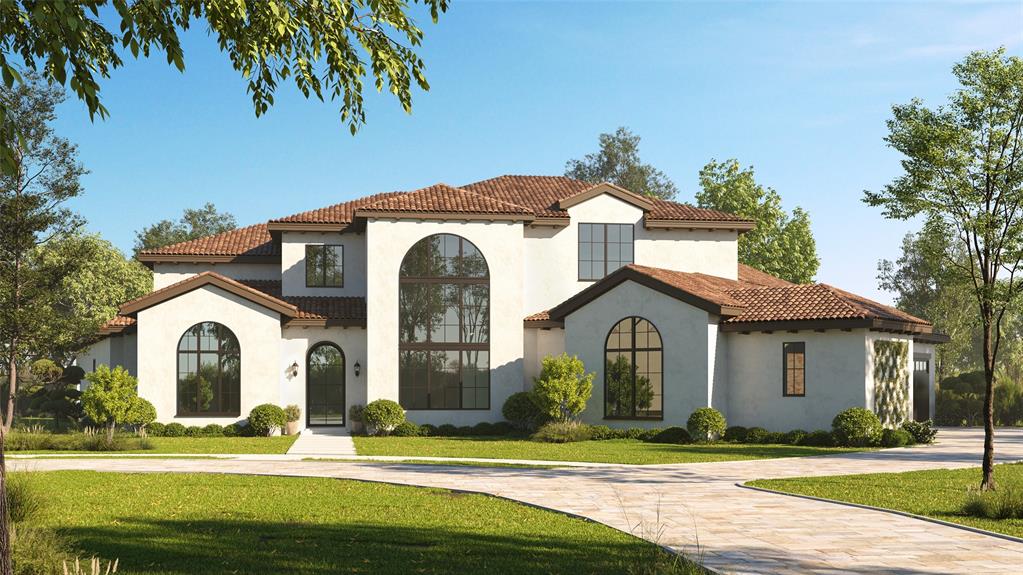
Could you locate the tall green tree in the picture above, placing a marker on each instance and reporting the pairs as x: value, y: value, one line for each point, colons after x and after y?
x: 618, y: 162
x: 328, y: 48
x: 963, y: 169
x: 101, y: 280
x: 781, y: 244
x: 194, y: 223
x: 45, y: 174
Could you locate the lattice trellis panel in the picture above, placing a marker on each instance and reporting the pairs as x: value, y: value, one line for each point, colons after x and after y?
x: 891, y: 382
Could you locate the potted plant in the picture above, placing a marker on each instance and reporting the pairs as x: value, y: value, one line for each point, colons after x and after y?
x: 293, y: 413
x: 355, y: 417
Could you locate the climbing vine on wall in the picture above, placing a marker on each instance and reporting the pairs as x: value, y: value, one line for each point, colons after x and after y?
x: 891, y: 381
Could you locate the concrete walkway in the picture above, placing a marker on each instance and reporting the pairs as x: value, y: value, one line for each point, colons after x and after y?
x: 323, y: 442
x: 698, y: 509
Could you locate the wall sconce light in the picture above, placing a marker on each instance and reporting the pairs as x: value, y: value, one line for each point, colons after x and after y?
x: 358, y: 368
x: 293, y: 370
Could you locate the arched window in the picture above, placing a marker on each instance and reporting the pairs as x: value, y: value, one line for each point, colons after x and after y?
x: 325, y: 385
x: 444, y: 326
x: 633, y: 385
x: 209, y: 371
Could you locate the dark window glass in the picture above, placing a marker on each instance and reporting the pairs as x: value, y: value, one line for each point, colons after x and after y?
x: 633, y: 371
x: 325, y: 385
x: 794, y: 368
x: 209, y: 371
x: 324, y: 266
x: 603, y: 248
x: 444, y: 326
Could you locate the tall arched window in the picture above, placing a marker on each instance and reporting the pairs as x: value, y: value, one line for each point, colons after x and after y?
x: 633, y: 384
x: 209, y: 371
x: 444, y: 326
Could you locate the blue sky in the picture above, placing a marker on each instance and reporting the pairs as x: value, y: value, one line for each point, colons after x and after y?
x: 800, y: 90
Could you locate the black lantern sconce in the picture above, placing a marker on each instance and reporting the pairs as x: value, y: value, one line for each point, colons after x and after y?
x: 358, y: 368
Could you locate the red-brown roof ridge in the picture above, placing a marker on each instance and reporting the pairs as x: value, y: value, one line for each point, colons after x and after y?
x: 443, y: 198
x: 251, y: 240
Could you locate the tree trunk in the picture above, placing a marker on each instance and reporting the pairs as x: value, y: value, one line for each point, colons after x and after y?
x: 12, y: 388
x: 111, y: 427
x: 6, y: 560
x: 988, y: 466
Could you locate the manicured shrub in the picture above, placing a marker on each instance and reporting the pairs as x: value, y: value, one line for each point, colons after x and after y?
x: 502, y: 428
x: 141, y: 414
x: 382, y: 415
x: 484, y: 428
x: 562, y: 432
x: 896, y: 438
x: 675, y: 434
x: 407, y: 429
x: 174, y: 429
x: 736, y: 433
x: 794, y: 437
x: 232, y: 430
x: 428, y: 430
x: 633, y: 433
x: 756, y: 435
x: 521, y: 412
x: 446, y: 430
x: 213, y: 430
x: 818, y: 438
x: 267, y: 418
x: 111, y: 397
x: 856, y: 427
x: 155, y: 429
x: 649, y: 433
x: 602, y: 432
x: 1004, y: 503
x: 563, y: 387
x: 193, y: 431
x: 706, y: 424
x: 774, y: 437
x: 922, y: 431
x: 465, y: 431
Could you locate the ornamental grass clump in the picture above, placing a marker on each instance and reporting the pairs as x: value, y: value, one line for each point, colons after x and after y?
x: 562, y: 432
x: 1002, y: 503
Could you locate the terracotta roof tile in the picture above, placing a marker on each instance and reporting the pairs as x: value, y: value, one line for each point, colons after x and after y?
x: 442, y: 198
x: 754, y: 277
x: 539, y: 316
x: 710, y: 288
x: 343, y: 213
x: 315, y: 307
x: 811, y: 302
x: 247, y: 241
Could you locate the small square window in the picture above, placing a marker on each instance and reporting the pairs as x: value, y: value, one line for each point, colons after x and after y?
x: 324, y: 266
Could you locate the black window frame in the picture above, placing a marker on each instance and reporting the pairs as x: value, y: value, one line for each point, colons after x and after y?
x: 198, y: 352
x: 603, y: 246
x: 322, y: 271
x: 632, y: 363
x: 785, y: 351
x: 461, y: 284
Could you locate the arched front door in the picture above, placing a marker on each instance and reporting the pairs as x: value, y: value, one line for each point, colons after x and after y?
x: 325, y: 385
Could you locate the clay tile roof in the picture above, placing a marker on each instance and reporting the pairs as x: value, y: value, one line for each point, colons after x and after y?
x: 539, y: 316
x: 116, y: 324
x: 711, y: 288
x: 665, y: 210
x: 247, y: 241
x: 345, y: 308
x: 811, y: 302
x: 442, y: 198
x: 754, y: 277
x: 343, y: 213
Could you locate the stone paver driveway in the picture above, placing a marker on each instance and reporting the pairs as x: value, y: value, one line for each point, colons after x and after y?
x: 697, y: 508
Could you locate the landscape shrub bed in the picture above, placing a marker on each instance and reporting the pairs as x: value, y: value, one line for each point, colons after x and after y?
x: 78, y: 441
x: 959, y: 401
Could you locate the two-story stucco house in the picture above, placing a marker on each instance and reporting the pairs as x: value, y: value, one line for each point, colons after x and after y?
x: 446, y: 299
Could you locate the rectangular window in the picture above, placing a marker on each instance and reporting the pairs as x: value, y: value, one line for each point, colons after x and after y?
x: 324, y: 266
x: 794, y: 371
x: 603, y: 248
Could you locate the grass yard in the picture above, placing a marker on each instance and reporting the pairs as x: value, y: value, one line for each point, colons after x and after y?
x: 201, y: 445
x: 197, y: 523
x: 630, y: 451
x: 935, y: 493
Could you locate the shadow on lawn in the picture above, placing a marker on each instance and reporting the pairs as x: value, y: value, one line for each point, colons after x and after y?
x: 245, y: 546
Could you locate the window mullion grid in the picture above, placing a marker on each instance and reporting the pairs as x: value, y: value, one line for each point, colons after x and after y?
x: 632, y: 327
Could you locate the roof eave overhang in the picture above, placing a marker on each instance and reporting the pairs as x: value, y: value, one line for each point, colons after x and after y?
x: 621, y: 275
x: 445, y: 216
x: 324, y: 322
x: 873, y: 324
x: 150, y: 259
x: 542, y: 324
x: 202, y: 280
x: 544, y: 221
x: 710, y: 225
x: 306, y: 227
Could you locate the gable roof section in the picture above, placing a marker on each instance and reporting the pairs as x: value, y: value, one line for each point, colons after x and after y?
x: 251, y: 244
x: 442, y: 201
x: 642, y: 202
x: 204, y: 279
x: 699, y: 290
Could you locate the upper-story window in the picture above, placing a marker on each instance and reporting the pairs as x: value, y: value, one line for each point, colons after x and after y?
x: 324, y: 266
x: 603, y: 248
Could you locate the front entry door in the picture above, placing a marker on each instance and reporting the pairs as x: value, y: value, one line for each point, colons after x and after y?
x: 921, y: 388
x: 325, y: 385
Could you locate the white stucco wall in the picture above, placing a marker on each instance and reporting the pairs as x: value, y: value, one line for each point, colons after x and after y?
x: 836, y: 379
x: 97, y: 354
x: 165, y: 274
x: 295, y: 346
x: 292, y: 271
x: 501, y: 245
x: 683, y: 330
x: 539, y: 344
x: 552, y: 254
x: 259, y: 336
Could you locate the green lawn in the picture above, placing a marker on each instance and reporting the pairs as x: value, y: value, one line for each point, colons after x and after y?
x: 935, y: 493
x: 202, y: 445
x: 197, y: 523
x: 610, y: 451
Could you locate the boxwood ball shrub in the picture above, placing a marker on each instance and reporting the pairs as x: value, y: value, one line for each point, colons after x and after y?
x: 818, y: 438
x: 446, y: 430
x: 675, y: 435
x: 382, y: 416
x: 794, y: 437
x: 521, y: 412
x: 407, y: 429
x: 856, y: 427
x: 174, y: 429
x: 232, y: 430
x: 756, y: 435
x: 922, y: 431
x: 774, y: 437
x: 706, y: 424
x: 896, y: 438
x: 736, y: 433
x: 428, y: 430
x: 155, y: 429
x: 193, y: 431
x: 266, y: 418
x: 213, y: 430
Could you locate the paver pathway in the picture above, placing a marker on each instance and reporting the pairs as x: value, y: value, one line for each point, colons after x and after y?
x: 323, y: 441
x: 698, y: 506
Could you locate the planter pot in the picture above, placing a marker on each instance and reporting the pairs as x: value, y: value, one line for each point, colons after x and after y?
x: 292, y: 428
